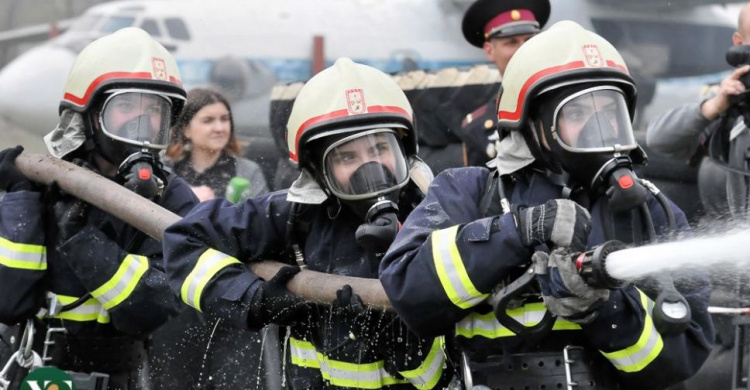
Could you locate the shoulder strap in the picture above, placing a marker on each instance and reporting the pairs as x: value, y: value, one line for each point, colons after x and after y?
x: 489, y: 204
x: 297, y: 228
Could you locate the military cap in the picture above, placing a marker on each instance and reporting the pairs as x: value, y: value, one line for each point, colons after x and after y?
x: 487, y: 19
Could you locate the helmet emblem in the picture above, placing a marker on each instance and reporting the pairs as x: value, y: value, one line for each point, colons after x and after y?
x: 160, y: 68
x: 355, y: 99
x: 593, y: 56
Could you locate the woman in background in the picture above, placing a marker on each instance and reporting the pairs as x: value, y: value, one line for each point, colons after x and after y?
x: 206, y: 153
x: 192, y: 350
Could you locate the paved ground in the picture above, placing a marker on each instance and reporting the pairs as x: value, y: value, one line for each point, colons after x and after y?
x: 11, y: 135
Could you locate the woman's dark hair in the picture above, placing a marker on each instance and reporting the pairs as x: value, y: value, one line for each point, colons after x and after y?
x: 198, y: 98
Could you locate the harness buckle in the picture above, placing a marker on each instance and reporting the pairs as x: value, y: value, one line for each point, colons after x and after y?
x: 48, y: 341
x: 568, y: 364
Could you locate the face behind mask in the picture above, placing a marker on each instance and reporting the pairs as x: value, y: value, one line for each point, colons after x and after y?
x: 586, y: 129
x: 139, y: 168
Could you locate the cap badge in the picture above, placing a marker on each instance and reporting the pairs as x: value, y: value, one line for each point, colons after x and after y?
x: 593, y: 56
x: 515, y: 14
x: 355, y: 100
x: 160, y: 68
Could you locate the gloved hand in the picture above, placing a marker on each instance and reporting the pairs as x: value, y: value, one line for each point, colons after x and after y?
x: 564, y: 292
x: 273, y: 303
x: 11, y: 179
x: 349, y: 310
x: 71, y: 214
x: 560, y: 222
x: 378, y: 235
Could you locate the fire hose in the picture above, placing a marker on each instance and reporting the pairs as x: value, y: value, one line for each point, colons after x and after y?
x: 153, y: 219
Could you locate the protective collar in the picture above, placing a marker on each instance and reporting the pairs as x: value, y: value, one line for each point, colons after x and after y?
x: 512, y: 154
x: 68, y: 136
x: 306, y: 190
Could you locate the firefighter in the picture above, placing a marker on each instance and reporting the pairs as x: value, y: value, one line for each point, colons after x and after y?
x: 499, y: 28
x: 565, y: 112
x: 351, y: 134
x: 96, y: 284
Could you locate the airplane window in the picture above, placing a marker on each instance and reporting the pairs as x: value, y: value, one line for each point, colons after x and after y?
x: 668, y: 49
x: 150, y: 26
x: 177, y: 28
x: 117, y: 22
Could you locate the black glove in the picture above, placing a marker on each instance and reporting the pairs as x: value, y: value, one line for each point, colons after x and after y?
x: 378, y: 235
x: 273, y: 303
x: 70, y: 213
x: 11, y: 179
x: 348, y: 309
x: 561, y: 222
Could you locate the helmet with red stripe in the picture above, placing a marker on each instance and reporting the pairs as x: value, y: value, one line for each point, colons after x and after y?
x: 348, y: 98
x: 570, y: 94
x: 566, y: 54
x: 126, y: 59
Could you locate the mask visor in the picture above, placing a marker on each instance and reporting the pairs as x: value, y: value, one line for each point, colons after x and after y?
x: 594, y: 120
x: 138, y: 118
x: 366, y: 165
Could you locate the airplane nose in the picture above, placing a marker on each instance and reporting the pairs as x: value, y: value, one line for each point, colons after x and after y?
x: 31, y: 87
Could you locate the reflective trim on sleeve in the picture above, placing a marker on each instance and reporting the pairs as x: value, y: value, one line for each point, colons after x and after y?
x: 122, y: 284
x: 427, y: 375
x: 23, y: 256
x: 486, y: 325
x: 639, y: 355
x: 209, y: 264
x: 342, y: 374
x: 451, y: 271
x: 91, y: 310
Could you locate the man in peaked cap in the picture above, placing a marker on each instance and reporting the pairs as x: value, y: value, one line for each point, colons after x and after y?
x: 499, y: 27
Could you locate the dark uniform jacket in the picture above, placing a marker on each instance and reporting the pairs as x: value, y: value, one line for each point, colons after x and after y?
x: 448, y: 257
x: 478, y: 134
x: 206, y: 252
x: 129, y: 295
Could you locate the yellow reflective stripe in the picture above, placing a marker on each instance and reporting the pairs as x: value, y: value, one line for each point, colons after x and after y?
x: 451, y: 271
x: 122, y: 284
x: 303, y: 353
x: 649, y: 345
x: 427, y: 375
x: 91, y: 310
x: 23, y: 256
x: 209, y: 264
x: 344, y: 374
x: 486, y: 325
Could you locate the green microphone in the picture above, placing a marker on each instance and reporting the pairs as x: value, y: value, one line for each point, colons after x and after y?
x: 238, y: 189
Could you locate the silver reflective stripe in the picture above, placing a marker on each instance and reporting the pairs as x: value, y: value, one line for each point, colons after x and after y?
x: 342, y: 374
x: 428, y: 374
x: 23, y: 256
x: 487, y: 325
x: 90, y: 310
x: 451, y: 270
x: 122, y: 284
x: 209, y: 264
x: 647, y: 348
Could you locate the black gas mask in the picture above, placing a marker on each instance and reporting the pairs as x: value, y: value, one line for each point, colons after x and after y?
x: 590, y: 137
x: 372, y: 190
x: 134, y: 127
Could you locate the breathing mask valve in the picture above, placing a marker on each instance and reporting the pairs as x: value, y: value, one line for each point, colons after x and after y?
x: 137, y: 174
x: 618, y: 181
x: 381, y: 227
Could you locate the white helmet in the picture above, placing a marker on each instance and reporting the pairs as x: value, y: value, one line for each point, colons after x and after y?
x: 127, y: 65
x: 577, y: 85
x: 352, y: 109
